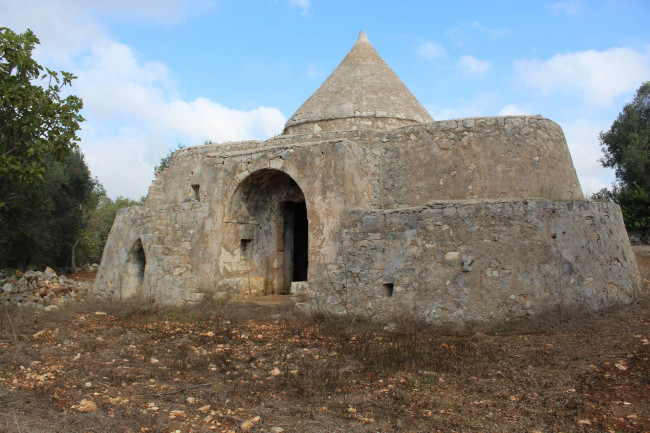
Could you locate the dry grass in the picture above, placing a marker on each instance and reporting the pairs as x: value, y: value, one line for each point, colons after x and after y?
x: 220, y: 365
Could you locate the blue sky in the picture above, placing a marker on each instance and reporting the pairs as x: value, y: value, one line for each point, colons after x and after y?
x: 155, y: 73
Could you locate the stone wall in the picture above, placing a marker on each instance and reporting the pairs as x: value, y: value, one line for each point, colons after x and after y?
x: 464, y: 261
x: 474, y: 158
x: 154, y: 252
x: 424, y: 220
x: 190, y: 229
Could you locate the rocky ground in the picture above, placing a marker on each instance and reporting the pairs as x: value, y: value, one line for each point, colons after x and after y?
x: 242, y: 367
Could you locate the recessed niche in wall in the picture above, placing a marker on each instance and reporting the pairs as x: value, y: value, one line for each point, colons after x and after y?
x: 196, y: 188
x: 246, y: 248
x: 387, y: 290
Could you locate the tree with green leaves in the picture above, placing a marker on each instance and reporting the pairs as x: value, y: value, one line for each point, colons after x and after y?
x: 36, y: 121
x: 627, y: 149
x: 41, y: 174
x: 48, y: 234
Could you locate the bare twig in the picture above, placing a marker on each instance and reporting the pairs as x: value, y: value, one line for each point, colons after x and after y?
x: 16, y: 421
x: 11, y: 323
x: 187, y: 388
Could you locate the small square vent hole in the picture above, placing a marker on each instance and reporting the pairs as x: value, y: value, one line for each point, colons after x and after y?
x: 387, y: 290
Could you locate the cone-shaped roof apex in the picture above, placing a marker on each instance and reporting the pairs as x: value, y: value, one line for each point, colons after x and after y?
x: 362, y: 92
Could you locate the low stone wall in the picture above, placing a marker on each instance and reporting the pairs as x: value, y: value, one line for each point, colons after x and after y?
x: 479, y: 261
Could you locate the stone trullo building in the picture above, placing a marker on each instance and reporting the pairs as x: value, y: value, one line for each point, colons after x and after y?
x: 366, y: 205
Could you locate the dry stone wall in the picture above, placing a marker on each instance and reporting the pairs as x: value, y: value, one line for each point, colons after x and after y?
x: 474, y: 158
x: 459, y: 262
x: 191, y: 240
x: 423, y: 220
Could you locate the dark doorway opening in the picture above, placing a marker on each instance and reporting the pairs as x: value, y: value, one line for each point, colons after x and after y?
x: 296, y: 243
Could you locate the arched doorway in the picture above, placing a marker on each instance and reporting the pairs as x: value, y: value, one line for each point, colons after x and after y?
x: 269, y: 214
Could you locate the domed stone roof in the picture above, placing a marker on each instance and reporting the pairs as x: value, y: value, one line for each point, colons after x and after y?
x: 363, y: 92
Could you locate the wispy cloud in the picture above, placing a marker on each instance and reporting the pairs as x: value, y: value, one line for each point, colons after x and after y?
x: 470, y: 65
x: 568, y: 7
x: 430, y: 51
x: 598, y: 76
x: 512, y: 110
x: 303, y: 5
x: 465, y: 32
x: 314, y: 71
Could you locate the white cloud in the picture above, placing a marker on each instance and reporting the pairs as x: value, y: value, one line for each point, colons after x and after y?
x: 303, y: 5
x: 512, y: 110
x: 470, y: 65
x: 598, y: 76
x: 135, y: 115
x: 133, y: 110
x: 569, y: 7
x: 582, y: 139
x: 430, y: 51
x: 203, y: 120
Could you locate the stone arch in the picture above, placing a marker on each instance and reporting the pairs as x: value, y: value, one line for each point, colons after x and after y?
x: 269, y: 232
x: 136, y: 263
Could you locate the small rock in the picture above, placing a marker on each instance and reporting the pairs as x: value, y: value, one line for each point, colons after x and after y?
x: 177, y: 414
x: 154, y: 361
x: 621, y: 365
x: 467, y: 263
x: 49, y: 273
x: 584, y: 422
x: 86, y: 406
x: 255, y: 419
x: 452, y: 256
x: 51, y: 308
x: 190, y: 400
x: 204, y: 408
x: 275, y: 372
x: 246, y: 426
x: 276, y: 430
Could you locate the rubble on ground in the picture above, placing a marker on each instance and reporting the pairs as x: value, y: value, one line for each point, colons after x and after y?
x: 41, y: 289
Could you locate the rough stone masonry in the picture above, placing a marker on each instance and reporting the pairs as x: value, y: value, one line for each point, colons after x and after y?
x: 365, y: 205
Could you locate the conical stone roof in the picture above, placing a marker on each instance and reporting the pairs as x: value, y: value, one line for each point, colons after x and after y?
x: 363, y: 92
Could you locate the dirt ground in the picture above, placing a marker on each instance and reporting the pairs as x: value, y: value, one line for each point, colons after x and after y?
x: 111, y: 367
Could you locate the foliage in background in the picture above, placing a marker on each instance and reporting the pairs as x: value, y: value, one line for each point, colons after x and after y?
x: 47, y: 235
x: 37, y: 124
x: 102, y: 215
x: 166, y: 160
x: 627, y: 149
